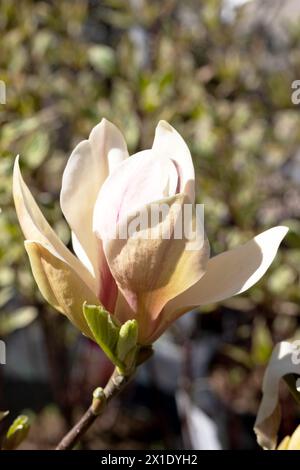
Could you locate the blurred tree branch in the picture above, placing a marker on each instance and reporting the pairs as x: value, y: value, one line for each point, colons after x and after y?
x: 101, y: 397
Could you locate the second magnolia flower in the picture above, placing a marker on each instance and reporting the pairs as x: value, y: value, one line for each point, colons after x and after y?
x: 152, y: 280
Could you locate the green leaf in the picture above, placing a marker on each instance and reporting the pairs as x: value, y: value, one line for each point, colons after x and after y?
x: 119, y: 342
x: 104, y: 328
x: 17, y: 432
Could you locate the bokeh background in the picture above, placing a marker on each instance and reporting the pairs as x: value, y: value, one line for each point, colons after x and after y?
x: 222, y: 76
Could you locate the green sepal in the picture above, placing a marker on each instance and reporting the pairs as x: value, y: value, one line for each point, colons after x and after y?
x: 17, y: 432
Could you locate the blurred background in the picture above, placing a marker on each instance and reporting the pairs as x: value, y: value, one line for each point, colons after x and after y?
x: 221, y: 73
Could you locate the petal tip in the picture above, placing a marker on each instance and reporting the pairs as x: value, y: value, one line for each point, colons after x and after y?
x: 16, y: 168
x: 280, y: 231
x: 104, y: 122
x: 274, y: 234
x: 30, y: 245
x: 165, y: 125
x: 284, y: 229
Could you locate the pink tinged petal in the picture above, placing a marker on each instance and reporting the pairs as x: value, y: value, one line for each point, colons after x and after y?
x: 123, y: 311
x: 231, y: 272
x: 60, y: 285
x: 151, y: 270
x: 35, y: 226
x: 141, y: 179
x: 86, y: 170
x: 169, y: 144
x: 108, y: 290
x: 269, y: 414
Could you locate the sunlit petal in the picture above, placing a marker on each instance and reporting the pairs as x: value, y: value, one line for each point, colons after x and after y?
x: 169, y: 144
x: 141, y: 179
x: 231, y: 272
x: 60, y: 284
x: 86, y: 170
x: 150, y: 269
x: 36, y: 227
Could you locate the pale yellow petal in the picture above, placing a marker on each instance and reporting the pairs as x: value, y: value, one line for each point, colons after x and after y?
x: 294, y: 443
x: 284, y: 443
x: 231, y: 272
x: 60, y: 285
x: 35, y: 226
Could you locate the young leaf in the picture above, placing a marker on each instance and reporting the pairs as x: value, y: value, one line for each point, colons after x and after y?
x: 119, y: 342
x: 128, y: 336
x: 17, y: 432
x: 104, y: 329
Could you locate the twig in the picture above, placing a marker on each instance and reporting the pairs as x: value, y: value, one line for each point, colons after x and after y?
x: 101, y: 397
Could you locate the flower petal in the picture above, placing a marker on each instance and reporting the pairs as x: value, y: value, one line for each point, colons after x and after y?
x: 231, y: 272
x: 35, y: 226
x: 81, y: 254
x: 141, y: 179
x: 169, y: 144
x: 294, y: 442
x: 268, y: 417
x: 150, y: 269
x: 60, y: 285
x: 284, y: 444
x: 87, y: 168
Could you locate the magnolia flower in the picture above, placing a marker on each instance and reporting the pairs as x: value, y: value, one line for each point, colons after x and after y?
x: 151, y: 280
x: 285, y: 360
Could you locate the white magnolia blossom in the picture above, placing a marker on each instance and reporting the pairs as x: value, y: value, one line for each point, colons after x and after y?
x: 153, y: 281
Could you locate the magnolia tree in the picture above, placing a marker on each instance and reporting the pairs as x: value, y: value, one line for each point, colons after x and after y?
x: 123, y: 292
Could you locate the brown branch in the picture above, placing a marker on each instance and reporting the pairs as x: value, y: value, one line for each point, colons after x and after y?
x: 101, y: 397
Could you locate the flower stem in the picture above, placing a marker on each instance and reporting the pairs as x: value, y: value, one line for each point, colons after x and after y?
x: 101, y: 397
